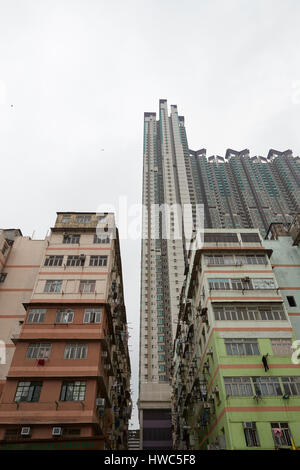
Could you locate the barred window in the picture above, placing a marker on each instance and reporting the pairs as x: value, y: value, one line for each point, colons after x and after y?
x: 219, y: 259
x: 98, y: 261
x: 87, y: 287
x: 219, y: 284
x: 291, y: 385
x: 28, y: 391
x: 36, y: 315
x: 281, y: 434
x: 83, y: 219
x: 53, y: 286
x: 73, y: 391
x: 220, y: 237
x: 242, y: 347
x: 238, y: 386
x: 263, y: 283
x: 72, y: 238
x: 75, y: 260
x: 267, y: 386
x: 76, y: 351
x: 53, y: 260
x: 102, y: 239
x: 250, y: 237
x: 92, y: 315
x: 250, y: 259
x: 64, y: 316
x: 251, y: 435
x: 282, y: 347
x: 248, y: 313
x: 38, y: 351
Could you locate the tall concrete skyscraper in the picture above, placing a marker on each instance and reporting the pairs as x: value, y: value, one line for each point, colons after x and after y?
x: 235, y: 191
x: 166, y: 180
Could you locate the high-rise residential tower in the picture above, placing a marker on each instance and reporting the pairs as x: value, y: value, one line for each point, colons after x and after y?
x: 235, y: 191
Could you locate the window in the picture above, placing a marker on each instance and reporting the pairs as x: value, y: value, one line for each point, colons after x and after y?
x: 71, y: 238
x: 28, y: 391
x: 281, y: 347
x: 64, y: 316
x: 238, y: 386
x: 242, y: 347
x: 3, y: 277
x: 250, y: 259
x: 83, y: 219
x: 263, y: 284
x: 291, y: 301
x: 102, y: 239
x: 92, y: 315
x: 38, y: 351
x: 53, y: 286
x: 65, y: 219
x: 87, y: 287
x: 219, y: 260
x: 248, y: 313
x: 76, y: 351
x: 98, y: 261
x: 36, y: 315
x: 250, y: 237
x: 73, y: 391
x: 220, y: 237
x: 251, y: 435
x: 53, y: 260
x: 281, y: 434
x: 291, y: 385
x: 75, y: 260
x: 267, y: 386
x: 219, y: 284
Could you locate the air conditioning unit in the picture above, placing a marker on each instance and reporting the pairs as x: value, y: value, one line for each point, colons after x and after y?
x: 56, y: 431
x: 100, y: 402
x: 26, y: 431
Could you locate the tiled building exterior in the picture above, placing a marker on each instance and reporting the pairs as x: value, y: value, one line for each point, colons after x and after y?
x: 68, y: 385
x: 235, y: 385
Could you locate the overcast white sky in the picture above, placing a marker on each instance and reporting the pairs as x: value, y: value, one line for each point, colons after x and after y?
x: 81, y: 73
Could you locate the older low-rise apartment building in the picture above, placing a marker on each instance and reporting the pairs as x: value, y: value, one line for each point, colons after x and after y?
x: 68, y: 385
x: 235, y: 385
x: 20, y: 260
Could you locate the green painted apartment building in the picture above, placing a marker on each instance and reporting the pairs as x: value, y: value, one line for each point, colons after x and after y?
x: 235, y: 385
